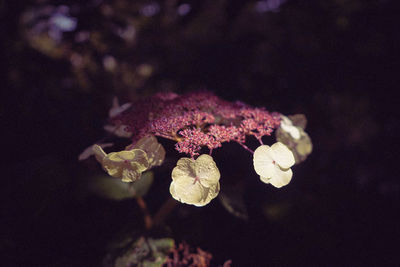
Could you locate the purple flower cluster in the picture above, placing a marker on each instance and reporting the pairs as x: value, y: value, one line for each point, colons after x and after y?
x: 196, y: 120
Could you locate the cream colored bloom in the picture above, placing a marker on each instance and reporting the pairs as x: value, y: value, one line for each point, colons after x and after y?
x: 195, y: 182
x: 154, y: 150
x: 291, y: 133
x: 273, y: 164
x: 127, y: 164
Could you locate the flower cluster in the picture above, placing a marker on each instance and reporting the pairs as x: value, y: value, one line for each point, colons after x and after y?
x: 198, y: 121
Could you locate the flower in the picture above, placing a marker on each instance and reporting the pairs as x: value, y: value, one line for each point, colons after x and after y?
x: 154, y: 150
x: 127, y: 164
x: 291, y: 133
x: 195, y: 182
x: 273, y: 164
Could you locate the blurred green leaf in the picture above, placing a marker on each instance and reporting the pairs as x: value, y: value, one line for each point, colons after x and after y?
x: 146, y: 253
x: 112, y: 188
x: 232, y: 200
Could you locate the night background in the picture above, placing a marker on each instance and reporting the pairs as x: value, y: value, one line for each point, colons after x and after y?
x: 336, y: 61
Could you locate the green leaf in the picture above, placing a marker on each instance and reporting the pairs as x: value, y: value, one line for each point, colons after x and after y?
x: 232, y: 200
x: 142, y: 186
x: 146, y: 253
x: 112, y: 188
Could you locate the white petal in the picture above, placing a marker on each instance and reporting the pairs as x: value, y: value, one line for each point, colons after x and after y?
x: 265, y: 179
x: 281, y: 177
x: 206, y: 169
x: 287, y: 126
x: 282, y: 155
x: 89, y: 152
x: 184, y: 168
x: 186, y: 191
x: 262, y: 159
x: 211, y: 193
x: 99, y: 153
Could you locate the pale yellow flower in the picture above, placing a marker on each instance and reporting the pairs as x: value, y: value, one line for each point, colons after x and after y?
x: 273, y: 164
x: 127, y: 165
x: 154, y: 150
x: 195, y: 182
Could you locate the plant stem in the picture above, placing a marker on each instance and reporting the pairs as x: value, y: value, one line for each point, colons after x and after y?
x: 245, y: 147
x: 164, y: 210
x: 148, y: 221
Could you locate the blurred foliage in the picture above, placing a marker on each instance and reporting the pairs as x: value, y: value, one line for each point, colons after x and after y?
x: 112, y: 188
x: 144, y: 252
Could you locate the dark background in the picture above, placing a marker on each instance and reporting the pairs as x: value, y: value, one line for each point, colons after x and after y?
x: 335, y: 61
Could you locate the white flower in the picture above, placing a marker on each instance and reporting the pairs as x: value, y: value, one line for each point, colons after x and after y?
x: 273, y: 164
x: 195, y: 182
x: 127, y: 164
x: 291, y: 133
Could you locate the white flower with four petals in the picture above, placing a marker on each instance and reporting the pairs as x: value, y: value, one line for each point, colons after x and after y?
x: 195, y: 182
x: 273, y: 164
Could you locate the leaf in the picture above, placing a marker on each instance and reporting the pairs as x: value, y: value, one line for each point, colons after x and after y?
x: 142, y: 186
x: 146, y: 253
x: 112, y: 188
x: 299, y: 120
x: 232, y: 200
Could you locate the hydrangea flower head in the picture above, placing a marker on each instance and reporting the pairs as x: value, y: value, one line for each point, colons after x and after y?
x: 273, y: 164
x: 195, y: 182
x: 127, y: 164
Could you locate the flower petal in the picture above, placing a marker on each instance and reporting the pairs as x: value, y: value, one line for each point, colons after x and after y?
x: 113, y: 169
x: 287, y: 126
x: 183, y: 169
x: 304, y: 147
x: 155, y: 151
x: 186, y: 191
x: 130, y: 175
x: 262, y: 159
x: 281, y: 177
x: 282, y: 155
x: 206, y: 169
x: 98, y: 153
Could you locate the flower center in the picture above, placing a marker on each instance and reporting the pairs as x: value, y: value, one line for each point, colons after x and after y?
x: 196, y: 179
